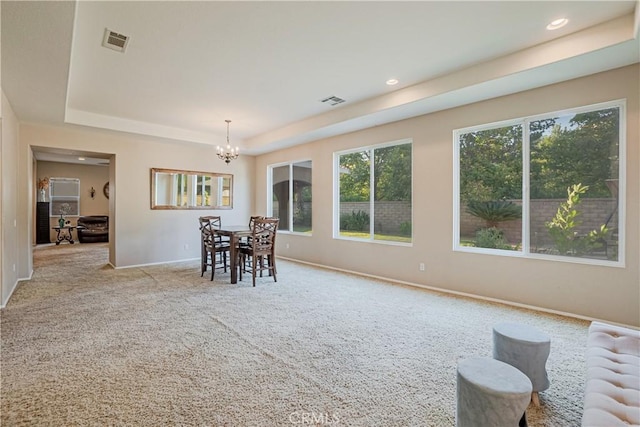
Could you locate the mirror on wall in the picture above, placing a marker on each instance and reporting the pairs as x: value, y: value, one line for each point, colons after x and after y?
x: 180, y: 189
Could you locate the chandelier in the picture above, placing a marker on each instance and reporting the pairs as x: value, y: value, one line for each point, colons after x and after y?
x: 229, y: 153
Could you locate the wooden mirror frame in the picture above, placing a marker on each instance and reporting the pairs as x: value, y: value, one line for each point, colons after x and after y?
x: 186, y: 179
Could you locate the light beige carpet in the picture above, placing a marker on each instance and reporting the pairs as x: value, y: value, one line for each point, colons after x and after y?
x: 84, y: 344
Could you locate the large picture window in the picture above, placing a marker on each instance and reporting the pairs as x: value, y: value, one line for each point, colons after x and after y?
x: 545, y: 186
x: 374, y: 186
x: 290, y: 196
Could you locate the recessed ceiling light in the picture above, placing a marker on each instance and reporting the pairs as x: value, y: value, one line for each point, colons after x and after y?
x: 80, y: 158
x: 558, y: 23
x: 392, y: 82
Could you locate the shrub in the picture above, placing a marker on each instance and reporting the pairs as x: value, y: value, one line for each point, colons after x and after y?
x: 495, y: 211
x: 405, y: 228
x: 562, y: 226
x: 302, y: 217
x: 355, y: 221
x: 491, y: 238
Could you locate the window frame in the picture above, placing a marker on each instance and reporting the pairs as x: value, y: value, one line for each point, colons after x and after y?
x: 290, y: 164
x: 525, y: 122
x: 336, y: 194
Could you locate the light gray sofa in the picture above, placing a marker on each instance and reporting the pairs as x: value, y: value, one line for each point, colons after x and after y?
x: 612, y: 392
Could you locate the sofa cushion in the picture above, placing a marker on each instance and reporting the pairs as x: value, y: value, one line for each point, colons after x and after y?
x: 612, y: 393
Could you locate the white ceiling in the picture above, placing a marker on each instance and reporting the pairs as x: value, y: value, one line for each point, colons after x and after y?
x: 266, y: 65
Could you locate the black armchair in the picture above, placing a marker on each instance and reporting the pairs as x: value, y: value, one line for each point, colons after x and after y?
x: 94, y: 228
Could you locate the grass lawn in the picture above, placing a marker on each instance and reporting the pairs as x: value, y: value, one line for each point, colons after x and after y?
x: 301, y: 229
x: 384, y: 237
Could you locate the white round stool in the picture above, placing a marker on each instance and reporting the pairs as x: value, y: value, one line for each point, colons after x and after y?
x: 490, y: 393
x: 525, y: 348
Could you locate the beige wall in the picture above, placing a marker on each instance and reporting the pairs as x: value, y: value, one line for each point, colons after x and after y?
x: 608, y: 293
x: 139, y: 235
x: 15, y: 250
x: 89, y: 176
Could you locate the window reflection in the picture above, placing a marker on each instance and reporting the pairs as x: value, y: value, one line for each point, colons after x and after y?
x: 178, y: 189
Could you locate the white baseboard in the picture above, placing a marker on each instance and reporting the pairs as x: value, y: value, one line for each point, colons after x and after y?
x: 15, y: 286
x: 154, y: 263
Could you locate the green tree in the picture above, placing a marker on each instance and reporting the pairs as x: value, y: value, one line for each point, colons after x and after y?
x: 491, y: 164
x: 354, y: 177
x: 585, y: 150
x: 579, y: 148
x: 392, y: 176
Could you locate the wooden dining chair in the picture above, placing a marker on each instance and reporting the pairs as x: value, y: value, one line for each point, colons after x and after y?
x: 213, y: 249
x: 262, y: 248
x: 252, y: 220
x: 246, y: 242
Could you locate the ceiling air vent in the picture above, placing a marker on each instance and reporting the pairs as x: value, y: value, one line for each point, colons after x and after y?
x: 333, y: 100
x: 115, y: 41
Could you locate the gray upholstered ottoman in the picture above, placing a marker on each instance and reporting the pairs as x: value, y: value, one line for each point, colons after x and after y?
x: 490, y: 393
x: 526, y: 348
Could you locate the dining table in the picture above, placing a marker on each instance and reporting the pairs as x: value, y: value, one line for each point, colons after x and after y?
x: 234, y: 233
